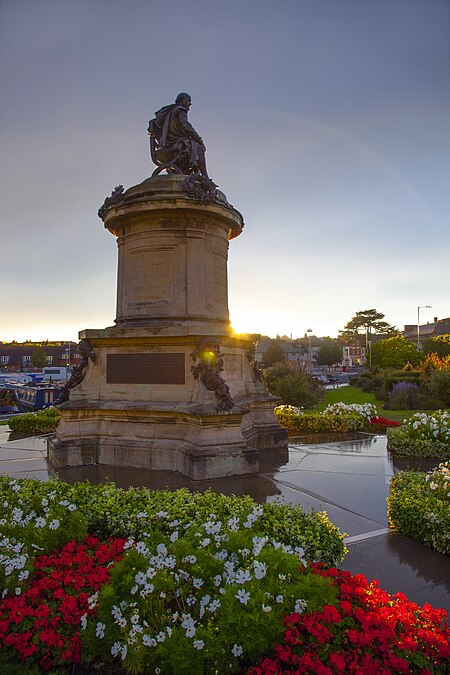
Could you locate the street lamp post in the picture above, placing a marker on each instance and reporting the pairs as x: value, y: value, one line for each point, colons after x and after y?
x: 370, y: 355
x: 418, y: 322
x: 309, y: 331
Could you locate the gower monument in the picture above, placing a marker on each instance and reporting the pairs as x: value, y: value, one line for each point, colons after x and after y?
x: 169, y: 386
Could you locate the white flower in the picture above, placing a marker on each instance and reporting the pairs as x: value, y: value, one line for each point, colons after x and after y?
x: 142, y: 548
x: 260, y: 569
x: 83, y: 621
x: 242, y: 596
x: 147, y: 641
x: 242, y: 576
x: 24, y: 575
x: 237, y: 650
x: 161, y: 636
x: 100, y: 630
x: 197, y: 582
x: 140, y: 578
x: 54, y: 524
x: 204, y: 542
x: 190, y: 632
x: 300, y: 606
x: 174, y: 536
x: 217, y: 580
x: 233, y: 524
x: 142, y: 514
x: 215, y: 604
x: 72, y: 507
x: 198, y: 644
x: 161, y: 549
x: 221, y: 555
x: 279, y: 598
x: 266, y: 608
x: 40, y: 522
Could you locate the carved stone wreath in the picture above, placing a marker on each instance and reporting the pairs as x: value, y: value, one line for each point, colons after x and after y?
x: 200, y: 188
x: 115, y: 198
x: 208, y: 369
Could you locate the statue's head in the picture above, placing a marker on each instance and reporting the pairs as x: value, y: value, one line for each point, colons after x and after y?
x: 184, y: 100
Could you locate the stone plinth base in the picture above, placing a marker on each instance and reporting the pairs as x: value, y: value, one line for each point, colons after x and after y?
x: 197, y: 444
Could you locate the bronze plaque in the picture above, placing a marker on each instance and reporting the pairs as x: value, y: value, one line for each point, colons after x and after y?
x: 145, y: 369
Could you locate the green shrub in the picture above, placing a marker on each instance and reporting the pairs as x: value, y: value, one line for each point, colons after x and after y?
x: 439, y: 385
x: 409, y: 396
x: 40, y: 422
x: 365, y: 383
x: 420, y: 510
x: 111, y: 511
x: 293, y: 385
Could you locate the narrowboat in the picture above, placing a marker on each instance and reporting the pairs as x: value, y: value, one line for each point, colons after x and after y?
x: 36, y: 396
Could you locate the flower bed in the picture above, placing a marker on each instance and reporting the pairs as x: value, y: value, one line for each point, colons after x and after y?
x: 368, y: 632
x: 336, y: 418
x: 423, y: 435
x: 419, y: 506
x: 197, y: 593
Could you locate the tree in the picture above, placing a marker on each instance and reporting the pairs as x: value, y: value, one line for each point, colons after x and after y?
x: 330, y: 352
x: 394, y: 352
x: 39, y: 358
x: 440, y: 345
x: 273, y: 354
x: 370, y: 320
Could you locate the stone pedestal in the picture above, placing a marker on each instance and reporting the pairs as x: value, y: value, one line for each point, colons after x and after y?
x: 169, y: 386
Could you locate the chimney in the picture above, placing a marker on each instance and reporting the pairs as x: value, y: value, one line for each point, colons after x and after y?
x: 435, y: 319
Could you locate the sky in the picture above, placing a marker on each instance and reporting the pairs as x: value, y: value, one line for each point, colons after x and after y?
x: 327, y: 125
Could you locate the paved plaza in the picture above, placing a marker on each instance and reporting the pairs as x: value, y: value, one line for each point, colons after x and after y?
x: 349, y: 479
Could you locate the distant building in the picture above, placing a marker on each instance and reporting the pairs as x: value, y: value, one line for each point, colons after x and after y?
x: 353, y: 355
x: 427, y: 330
x: 16, y: 357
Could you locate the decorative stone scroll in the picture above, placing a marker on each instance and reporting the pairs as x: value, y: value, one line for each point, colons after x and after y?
x: 255, y: 368
x: 208, y: 369
x: 85, y: 349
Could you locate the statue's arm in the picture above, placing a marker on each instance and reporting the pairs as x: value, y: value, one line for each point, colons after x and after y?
x: 188, y: 128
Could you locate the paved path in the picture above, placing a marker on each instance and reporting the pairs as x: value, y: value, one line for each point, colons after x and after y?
x: 349, y: 479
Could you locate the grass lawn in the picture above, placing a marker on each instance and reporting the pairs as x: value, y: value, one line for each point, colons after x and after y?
x: 355, y: 395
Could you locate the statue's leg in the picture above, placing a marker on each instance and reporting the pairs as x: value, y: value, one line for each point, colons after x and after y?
x: 201, y: 161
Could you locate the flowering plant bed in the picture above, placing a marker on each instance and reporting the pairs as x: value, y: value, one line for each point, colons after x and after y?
x: 336, y: 418
x: 419, y: 506
x: 344, y: 624
x: 369, y: 631
x: 422, y: 435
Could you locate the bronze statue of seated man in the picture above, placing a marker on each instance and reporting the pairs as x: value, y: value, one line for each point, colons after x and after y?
x: 174, y: 143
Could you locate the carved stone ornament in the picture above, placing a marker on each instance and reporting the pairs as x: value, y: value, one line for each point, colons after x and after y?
x: 115, y: 198
x: 200, y: 188
x: 255, y: 368
x: 208, y: 366
x: 85, y: 349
